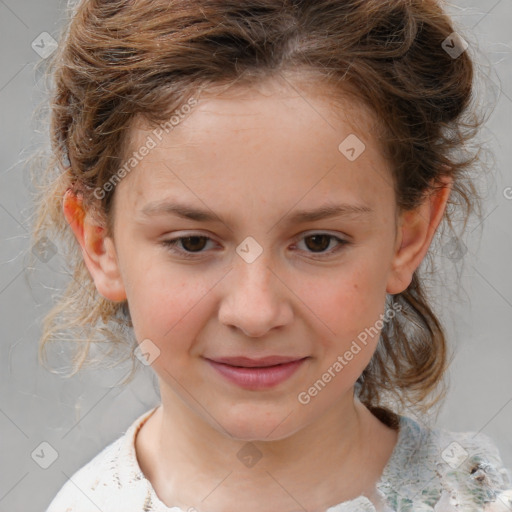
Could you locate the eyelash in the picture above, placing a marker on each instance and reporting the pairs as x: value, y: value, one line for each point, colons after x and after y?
x: 171, y: 245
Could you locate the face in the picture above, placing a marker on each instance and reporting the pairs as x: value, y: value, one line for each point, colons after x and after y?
x: 258, y: 279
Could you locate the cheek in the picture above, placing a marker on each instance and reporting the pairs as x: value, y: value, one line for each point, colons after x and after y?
x: 346, y: 305
x: 165, y: 304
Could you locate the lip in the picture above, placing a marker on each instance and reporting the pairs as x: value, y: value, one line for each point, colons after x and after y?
x: 257, y: 378
x: 249, y: 362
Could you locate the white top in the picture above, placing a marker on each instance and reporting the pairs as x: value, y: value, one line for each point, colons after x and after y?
x: 430, y: 470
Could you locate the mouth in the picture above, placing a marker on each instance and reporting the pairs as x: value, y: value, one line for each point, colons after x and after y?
x: 257, y: 374
x: 264, y: 362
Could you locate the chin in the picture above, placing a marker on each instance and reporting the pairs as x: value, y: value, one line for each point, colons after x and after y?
x: 252, y: 425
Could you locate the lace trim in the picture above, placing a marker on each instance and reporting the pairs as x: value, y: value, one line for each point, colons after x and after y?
x: 429, y: 470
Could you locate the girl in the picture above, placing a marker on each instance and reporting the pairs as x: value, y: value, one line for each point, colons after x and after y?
x: 204, y: 149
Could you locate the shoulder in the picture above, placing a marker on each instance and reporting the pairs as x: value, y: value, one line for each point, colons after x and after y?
x: 439, y: 469
x: 112, y: 480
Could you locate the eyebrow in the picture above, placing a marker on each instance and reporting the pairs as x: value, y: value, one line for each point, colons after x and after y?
x: 184, y: 211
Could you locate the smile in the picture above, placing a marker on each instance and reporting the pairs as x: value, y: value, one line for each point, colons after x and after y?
x: 256, y: 378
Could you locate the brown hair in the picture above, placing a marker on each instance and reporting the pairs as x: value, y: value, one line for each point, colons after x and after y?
x: 122, y: 59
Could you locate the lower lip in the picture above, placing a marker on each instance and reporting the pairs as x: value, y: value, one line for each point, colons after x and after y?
x: 257, y: 378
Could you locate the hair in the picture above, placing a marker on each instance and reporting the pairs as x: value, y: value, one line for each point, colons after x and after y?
x: 122, y: 60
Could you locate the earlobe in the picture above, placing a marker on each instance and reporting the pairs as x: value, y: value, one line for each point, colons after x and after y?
x: 417, y: 229
x: 98, y: 250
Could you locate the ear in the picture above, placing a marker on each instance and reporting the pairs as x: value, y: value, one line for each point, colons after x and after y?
x: 416, y: 231
x: 98, y: 250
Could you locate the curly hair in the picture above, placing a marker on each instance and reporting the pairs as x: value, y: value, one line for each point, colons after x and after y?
x: 119, y: 59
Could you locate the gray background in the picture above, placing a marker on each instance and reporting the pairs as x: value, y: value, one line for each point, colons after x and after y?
x: 80, y: 416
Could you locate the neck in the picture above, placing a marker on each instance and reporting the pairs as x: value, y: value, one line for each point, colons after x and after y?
x: 313, y: 468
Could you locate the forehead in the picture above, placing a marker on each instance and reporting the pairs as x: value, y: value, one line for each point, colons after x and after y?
x: 278, y: 142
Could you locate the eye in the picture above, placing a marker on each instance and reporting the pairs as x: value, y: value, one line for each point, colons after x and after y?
x: 193, y: 245
x: 194, y: 242
x: 320, y: 241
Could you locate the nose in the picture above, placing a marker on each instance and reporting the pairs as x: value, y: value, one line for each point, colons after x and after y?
x: 255, y: 297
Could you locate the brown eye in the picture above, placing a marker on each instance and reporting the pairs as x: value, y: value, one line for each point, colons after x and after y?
x: 318, y: 243
x: 193, y: 243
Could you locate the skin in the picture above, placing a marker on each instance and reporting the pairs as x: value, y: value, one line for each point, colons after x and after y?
x: 254, y: 158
